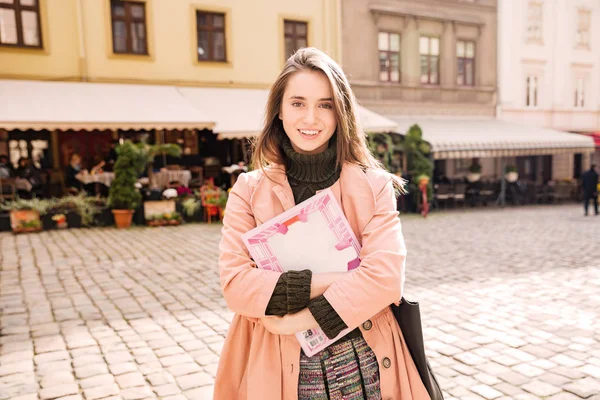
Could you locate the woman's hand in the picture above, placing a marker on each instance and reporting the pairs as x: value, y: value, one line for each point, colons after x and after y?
x: 290, y: 323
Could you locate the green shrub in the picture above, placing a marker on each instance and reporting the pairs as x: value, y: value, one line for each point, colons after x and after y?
x: 123, y: 194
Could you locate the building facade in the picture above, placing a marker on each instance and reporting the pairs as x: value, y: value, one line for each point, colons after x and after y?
x: 432, y: 57
x: 434, y: 63
x: 549, y: 56
x: 78, y: 74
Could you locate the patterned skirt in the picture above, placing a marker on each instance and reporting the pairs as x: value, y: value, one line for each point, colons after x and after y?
x: 347, y: 370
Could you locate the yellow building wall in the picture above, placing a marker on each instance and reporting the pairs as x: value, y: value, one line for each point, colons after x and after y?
x: 254, y: 32
x: 59, y: 57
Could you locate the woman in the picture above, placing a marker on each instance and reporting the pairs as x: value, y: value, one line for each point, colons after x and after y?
x: 311, y: 141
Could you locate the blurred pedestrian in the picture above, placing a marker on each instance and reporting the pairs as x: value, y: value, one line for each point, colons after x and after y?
x: 590, y: 189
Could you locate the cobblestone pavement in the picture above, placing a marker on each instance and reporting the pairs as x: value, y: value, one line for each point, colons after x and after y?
x: 510, y: 301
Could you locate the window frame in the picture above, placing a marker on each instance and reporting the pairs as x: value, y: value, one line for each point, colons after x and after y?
x: 388, y: 54
x: 210, y: 30
x: 18, y: 9
x: 464, y: 59
x: 294, y: 36
x: 532, y: 91
x: 429, y: 58
x: 128, y: 19
x: 579, y: 92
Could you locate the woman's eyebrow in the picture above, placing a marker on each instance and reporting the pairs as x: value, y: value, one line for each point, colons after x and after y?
x: 304, y: 98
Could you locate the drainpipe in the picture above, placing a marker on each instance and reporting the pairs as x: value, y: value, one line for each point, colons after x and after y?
x: 83, y: 62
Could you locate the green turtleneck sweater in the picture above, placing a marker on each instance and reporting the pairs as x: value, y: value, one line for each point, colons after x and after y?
x: 306, y: 174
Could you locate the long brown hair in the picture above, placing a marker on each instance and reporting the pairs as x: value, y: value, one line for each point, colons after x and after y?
x: 351, y: 139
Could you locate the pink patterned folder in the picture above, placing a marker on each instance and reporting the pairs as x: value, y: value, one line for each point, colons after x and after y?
x: 312, y: 235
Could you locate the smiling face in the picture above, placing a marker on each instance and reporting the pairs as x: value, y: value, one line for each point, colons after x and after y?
x: 307, y: 112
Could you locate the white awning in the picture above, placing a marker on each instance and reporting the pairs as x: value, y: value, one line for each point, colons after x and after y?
x: 467, y: 138
x: 90, y: 106
x: 239, y: 113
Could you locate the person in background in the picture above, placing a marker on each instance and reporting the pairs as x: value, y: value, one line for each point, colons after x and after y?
x: 111, y: 159
x: 5, y: 167
x: 29, y: 172
x: 590, y: 189
x: 73, y: 184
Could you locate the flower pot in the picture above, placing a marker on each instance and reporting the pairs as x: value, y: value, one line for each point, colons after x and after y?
x: 123, y: 218
x: 473, y: 177
x: 512, y: 176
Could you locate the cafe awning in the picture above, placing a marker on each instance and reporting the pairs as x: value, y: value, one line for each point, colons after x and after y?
x: 239, y: 113
x: 468, y: 138
x: 96, y: 106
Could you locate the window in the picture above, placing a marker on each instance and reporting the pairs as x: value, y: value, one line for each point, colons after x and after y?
x: 430, y: 54
x: 579, y: 93
x: 531, y: 95
x: 535, y: 18
x: 389, y: 57
x: 128, y: 27
x: 584, y: 18
x: 295, y: 35
x: 20, y: 23
x: 211, y: 36
x: 465, y: 56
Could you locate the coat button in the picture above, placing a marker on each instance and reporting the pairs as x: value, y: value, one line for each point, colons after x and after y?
x: 386, y: 362
x: 367, y: 325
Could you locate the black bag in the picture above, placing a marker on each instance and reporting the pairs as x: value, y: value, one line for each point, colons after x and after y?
x: 409, y: 318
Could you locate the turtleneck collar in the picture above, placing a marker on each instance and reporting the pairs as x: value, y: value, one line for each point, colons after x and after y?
x: 311, y: 168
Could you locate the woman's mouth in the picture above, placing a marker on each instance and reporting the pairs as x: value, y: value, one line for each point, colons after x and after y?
x: 309, y: 133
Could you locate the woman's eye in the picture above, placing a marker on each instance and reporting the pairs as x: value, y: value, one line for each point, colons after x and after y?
x: 296, y: 104
x: 326, y: 106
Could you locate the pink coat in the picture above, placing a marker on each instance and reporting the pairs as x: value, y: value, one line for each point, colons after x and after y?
x: 258, y: 365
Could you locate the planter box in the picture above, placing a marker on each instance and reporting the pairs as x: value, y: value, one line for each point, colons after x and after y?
x: 5, y: 222
x: 73, y: 219
x: 104, y: 218
x: 24, y: 221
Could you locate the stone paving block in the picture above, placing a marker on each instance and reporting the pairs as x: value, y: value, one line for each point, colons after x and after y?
x: 122, y: 368
x: 541, y: 389
x: 56, y: 378
x: 101, y: 392
x: 130, y: 379
x: 486, y: 392
x: 583, y: 387
x: 184, y: 369
x: 169, y: 389
x: 54, y: 392
x: 90, y: 370
x: 135, y: 393
x: 186, y: 382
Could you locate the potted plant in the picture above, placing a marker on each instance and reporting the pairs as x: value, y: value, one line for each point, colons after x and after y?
x: 60, y: 220
x: 192, y: 209
x: 511, y: 174
x: 474, y: 173
x: 123, y: 197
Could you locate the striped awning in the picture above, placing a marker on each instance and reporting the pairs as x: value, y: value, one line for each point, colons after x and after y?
x: 468, y: 138
x: 96, y: 106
